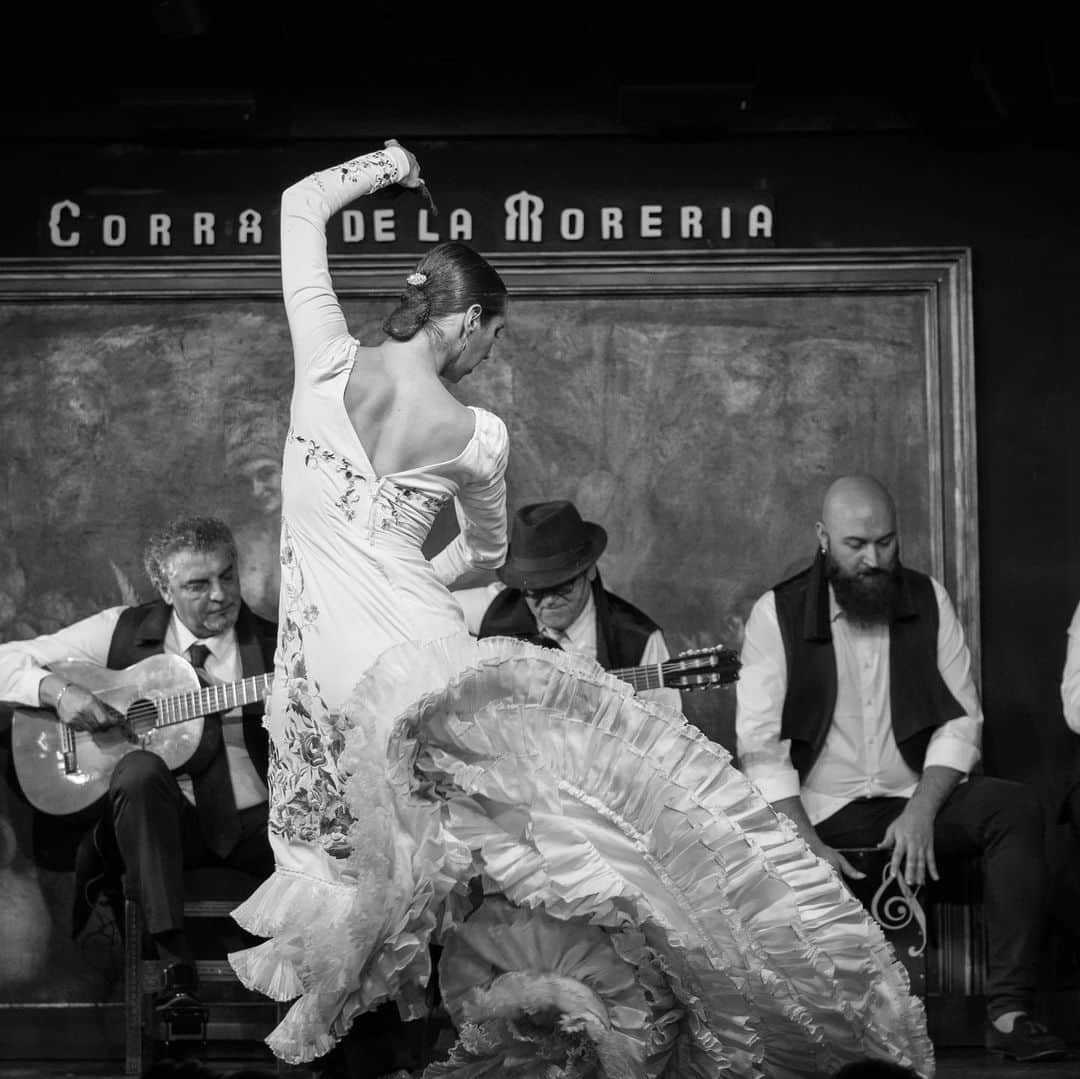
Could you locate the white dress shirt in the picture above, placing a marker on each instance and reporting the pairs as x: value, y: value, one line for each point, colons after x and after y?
x: 860, y: 757
x: 1070, y: 679
x: 579, y: 637
x: 23, y: 663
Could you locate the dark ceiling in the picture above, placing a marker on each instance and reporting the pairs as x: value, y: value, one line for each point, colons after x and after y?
x: 237, y: 67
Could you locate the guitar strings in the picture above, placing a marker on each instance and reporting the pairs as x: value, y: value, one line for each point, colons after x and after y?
x: 198, y: 703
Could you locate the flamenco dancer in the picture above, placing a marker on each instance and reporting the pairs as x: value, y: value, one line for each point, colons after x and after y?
x: 644, y: 911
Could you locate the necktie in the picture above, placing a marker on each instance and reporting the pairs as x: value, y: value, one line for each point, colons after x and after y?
x: 199, y: 654
x: 214, y: 799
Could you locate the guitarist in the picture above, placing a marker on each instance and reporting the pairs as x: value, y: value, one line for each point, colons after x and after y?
x: 155, y: 824
x: 553, y: 596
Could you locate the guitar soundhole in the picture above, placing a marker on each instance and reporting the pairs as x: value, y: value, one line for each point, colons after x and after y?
x: 141, y: 720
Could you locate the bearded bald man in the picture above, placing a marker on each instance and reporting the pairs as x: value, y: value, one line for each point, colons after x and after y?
x: 858, y: 717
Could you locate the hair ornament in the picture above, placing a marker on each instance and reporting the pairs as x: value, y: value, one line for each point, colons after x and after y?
x: 416, y: 279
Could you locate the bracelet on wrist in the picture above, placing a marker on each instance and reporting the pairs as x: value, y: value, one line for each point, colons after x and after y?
x: 63, y: 689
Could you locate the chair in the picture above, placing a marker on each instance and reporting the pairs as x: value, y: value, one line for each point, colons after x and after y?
x: 233, y: 1013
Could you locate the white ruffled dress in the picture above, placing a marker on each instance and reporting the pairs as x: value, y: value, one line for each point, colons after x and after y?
x: 645, y: 913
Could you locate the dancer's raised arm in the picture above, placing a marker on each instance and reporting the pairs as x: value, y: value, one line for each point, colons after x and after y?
x: 311, y: 305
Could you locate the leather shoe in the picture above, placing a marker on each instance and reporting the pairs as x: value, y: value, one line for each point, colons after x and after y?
x: 179, y: 988
x: 1027, y: 1041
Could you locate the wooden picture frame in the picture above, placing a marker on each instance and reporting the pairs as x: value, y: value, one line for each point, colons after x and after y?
x: 695, y: 403
x: 933, y: 283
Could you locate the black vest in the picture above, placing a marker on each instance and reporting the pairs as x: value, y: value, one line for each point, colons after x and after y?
x: 140, y: 632
x: 920, y: 701
x: 622, y: 631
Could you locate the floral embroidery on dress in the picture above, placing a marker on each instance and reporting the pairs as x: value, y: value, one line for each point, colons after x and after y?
x: 307, y: 787
x: 316, y: 456
x: 378, y: 167
x: 392, y: 498
x: 348, y: 499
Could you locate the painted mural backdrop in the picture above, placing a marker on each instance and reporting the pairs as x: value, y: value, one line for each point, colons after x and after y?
x: 699, y: 431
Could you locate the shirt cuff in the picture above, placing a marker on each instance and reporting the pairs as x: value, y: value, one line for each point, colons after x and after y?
x: 775, y: 786
x: 952, y: 753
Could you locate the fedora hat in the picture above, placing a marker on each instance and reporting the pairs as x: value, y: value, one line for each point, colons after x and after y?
x: 550, y: 544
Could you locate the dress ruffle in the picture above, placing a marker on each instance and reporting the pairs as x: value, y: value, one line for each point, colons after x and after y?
x: 344, y: 944
x: 531, y: 993
x: 577, y: 800
x: 341, y: 953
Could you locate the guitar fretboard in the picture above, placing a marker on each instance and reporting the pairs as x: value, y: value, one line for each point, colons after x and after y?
x: 648, y: 677
x: 211, y: 699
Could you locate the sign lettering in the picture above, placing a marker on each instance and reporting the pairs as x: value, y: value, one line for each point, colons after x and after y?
x: 524, y: 220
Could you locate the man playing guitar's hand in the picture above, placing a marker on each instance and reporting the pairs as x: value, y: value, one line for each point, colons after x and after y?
x: 75, y: 706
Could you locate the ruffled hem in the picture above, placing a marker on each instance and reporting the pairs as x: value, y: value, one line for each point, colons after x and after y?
x: 579, y: 800
x: 315, y: 953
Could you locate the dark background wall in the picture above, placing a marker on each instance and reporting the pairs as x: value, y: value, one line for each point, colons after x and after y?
x: 861, y: 140
x: 905, y: 139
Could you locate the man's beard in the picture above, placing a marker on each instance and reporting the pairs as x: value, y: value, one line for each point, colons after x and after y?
x: 868, y: 597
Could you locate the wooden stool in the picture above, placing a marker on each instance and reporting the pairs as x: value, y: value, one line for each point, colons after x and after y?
x: 234, y: 1014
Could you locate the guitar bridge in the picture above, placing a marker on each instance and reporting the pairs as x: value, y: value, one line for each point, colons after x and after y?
x: 143, y: 739
x: 67, y: 749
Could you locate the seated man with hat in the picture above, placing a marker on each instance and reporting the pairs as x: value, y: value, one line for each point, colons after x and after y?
x: 550, y: 593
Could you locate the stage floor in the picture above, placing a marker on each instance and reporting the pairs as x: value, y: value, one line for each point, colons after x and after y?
x: 953, y: 1063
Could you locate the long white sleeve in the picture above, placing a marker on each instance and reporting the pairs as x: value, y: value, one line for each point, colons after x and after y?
x: 311, y: 305
x: 763, y: 755
x: 957, y: 743
x: 481, y: 509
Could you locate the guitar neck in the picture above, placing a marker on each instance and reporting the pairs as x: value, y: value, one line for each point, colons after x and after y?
x: 211, y: 699
x: 650, y: 676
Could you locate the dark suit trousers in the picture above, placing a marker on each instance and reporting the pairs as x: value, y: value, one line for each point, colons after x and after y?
x: 157, y: 836
x: 1002, y: 823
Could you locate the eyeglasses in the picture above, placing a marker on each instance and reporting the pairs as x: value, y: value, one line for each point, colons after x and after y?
x: 559, y: 590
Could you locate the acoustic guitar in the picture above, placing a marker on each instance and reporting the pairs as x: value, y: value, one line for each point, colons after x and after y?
x: 62, y: 770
